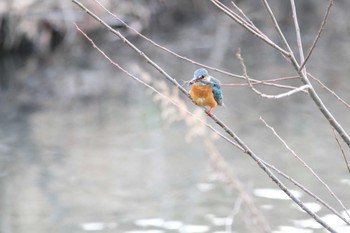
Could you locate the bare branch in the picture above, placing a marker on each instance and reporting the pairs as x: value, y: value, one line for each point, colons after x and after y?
x: 245, y: 23
x: 289, y: 93
x: 305, y: 165
x: 318, y: 34
x: 267, y: 82
x: 297, y: 31
x: 246, y: 18
x: 342, y: 151
x: 329, y: 90
x: 327, y: 114
x: 277, y: 27
x: 248, y: 27
x: 307, y: 192
x: 231, y: 217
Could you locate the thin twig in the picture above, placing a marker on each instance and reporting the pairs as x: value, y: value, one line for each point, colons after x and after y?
x: 305, y: 165
x: 277, y: 27
x: 247, y: 24
x: 264, y: 82
x: 231, y: 218
x: 248, y: 27
x: 289, y: 93
x: 257, y: 82
x: 299, y: 42
x: 318, y: 34
x: 342, y: 151
x: 329, y: 90
x: 307, y: 191
x: 220, y: 164
x: 326, y: 113
x: 247, y: 19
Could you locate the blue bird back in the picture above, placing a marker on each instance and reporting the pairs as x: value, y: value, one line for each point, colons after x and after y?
x: 217, y: 92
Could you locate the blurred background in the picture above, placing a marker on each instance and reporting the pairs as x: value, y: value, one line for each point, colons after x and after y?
x: 84, y: 148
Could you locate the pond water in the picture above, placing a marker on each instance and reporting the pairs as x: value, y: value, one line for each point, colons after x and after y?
x: 83, y: 148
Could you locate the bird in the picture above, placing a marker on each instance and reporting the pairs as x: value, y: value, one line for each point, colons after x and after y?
x: 205, y: 90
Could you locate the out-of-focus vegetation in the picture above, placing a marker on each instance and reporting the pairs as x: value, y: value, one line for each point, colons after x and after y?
x: 40, y: 26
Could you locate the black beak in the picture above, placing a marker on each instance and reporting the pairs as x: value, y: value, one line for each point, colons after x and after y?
x: 194, y: 80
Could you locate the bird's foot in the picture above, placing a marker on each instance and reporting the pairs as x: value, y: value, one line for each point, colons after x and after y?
x: 209, y: 111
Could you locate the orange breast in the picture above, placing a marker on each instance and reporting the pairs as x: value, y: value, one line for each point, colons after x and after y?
x: 202, y: 95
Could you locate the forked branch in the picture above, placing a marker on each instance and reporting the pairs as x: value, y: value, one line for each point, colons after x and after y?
x: 289, y: 54
x: 285, y: 94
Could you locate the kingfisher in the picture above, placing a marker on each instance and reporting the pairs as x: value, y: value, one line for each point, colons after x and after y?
x: 205, y: 90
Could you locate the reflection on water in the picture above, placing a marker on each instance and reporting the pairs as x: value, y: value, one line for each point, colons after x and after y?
x: 289, y: 229
x: 86, y: 150
x: 276, y: 194
x: 330, y: 219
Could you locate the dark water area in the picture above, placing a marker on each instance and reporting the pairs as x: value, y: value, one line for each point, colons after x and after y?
x: 83, y: 148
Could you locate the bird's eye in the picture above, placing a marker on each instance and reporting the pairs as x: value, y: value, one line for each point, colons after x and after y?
x: 202, y: 76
